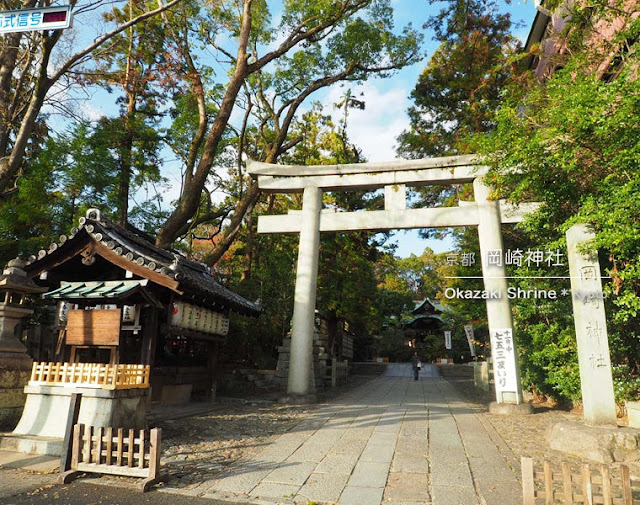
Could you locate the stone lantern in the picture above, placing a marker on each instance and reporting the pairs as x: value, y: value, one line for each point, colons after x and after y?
x: 15, y: 363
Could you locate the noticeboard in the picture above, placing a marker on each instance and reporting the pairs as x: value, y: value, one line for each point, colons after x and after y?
x: 93, y: 327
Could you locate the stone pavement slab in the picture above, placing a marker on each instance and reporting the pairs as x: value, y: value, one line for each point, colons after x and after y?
x: 409, y: 464
x: 21, y: 473
x: 353, y: 495
x: 295, y: 473
x: 337, y: 463
x: 392, y: 441
x: 323, y: 487
x: 407, y: 487
x: 367, y: 474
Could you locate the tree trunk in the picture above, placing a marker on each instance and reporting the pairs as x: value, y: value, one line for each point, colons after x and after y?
x: 8, y: 58
x: 126, y: 153
x: 195, y: 181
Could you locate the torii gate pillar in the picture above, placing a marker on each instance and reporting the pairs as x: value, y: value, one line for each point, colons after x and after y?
x: 494, y: 275
x: 304, y: 303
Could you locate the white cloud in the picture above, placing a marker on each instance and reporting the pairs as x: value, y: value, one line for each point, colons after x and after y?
x: 374, y: 129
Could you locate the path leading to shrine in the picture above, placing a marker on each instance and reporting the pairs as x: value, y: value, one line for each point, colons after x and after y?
x: 393, y: 440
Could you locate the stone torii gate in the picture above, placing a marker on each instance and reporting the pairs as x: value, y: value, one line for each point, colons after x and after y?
x: 394, y: 177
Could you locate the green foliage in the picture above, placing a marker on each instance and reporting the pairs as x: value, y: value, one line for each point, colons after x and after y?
x: 573, y: 144
x: 67, y: 175
x: 460, y: 88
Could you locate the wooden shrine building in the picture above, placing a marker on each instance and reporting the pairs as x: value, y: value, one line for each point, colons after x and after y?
x: 427, y: 320
x: 121, y: 300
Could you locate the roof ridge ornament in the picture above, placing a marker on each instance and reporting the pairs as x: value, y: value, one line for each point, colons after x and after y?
x: 177, y: 259
x: 94, y: 214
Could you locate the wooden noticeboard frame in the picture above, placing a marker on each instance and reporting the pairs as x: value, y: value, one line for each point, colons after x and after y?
x: 94, y: 327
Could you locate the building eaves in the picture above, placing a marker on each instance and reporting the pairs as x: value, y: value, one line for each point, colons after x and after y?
x: 193, y: 279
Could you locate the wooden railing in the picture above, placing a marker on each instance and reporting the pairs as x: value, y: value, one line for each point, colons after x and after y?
x: 132, y: 453
x: 587, y: 487
x: 93, y: 375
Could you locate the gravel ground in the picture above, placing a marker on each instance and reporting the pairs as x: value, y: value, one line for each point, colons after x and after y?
x: 197, y: 448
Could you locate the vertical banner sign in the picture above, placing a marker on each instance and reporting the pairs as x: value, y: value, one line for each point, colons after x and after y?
x: 504, y: 363
x: 468, y: 330
x: 447, y: 340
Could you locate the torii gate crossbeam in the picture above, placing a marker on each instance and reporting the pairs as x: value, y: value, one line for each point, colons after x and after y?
x: 393, y: 176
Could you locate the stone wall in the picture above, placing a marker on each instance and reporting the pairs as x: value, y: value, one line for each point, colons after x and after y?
x: 321, y: 360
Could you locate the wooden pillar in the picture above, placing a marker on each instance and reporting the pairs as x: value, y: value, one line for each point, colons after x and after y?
x: 212, y: 366
x: 150, y: 330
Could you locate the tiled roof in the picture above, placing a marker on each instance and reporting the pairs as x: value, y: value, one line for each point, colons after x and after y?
x: 192, y: 278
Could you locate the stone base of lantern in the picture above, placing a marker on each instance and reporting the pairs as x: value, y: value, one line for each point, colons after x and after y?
x: 15, y: 370
x: 46, y: 409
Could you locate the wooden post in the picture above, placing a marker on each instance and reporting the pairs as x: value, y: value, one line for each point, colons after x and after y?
x: 132, y: 437
x: 120, y: 446
x: 141, y: 450
x: 587, y: 488
x: 97, y: 457
x: 72, y: 420
x: 109, y: 445
x: 528, y: 489
x: 88, y: 445
x: 155, y: 439
x: 76, y: 454
x: 149, y: 335
x: 627, y: 497
x: 212, y: 365
x: 606, y: 485
x: 548, y: 482
x: 334, y: 372
x: 566, y: 483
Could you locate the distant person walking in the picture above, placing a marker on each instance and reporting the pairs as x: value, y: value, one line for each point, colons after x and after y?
x: 416, y: 365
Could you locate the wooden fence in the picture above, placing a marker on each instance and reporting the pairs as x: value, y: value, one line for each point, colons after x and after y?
x: 550, y: 486
x: 131, y: 453
x: 94, y: 375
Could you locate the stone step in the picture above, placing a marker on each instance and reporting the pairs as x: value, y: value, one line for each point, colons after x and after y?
x: 31, y: 444
x: 267, y: 373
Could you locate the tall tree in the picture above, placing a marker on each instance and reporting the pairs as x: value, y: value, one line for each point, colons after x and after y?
x: 343, y: 40
x: 66, y: 174
x: 459, y: 89
x: 573, y: 145
x: 28, y: 71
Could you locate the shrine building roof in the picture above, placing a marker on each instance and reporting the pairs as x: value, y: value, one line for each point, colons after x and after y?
x: 132, y: 251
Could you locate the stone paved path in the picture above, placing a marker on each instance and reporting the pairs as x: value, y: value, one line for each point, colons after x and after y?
x: 393, y: 440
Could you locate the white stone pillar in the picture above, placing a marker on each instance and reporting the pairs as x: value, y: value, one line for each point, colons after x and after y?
x: 506, y: 371
x: 596, y: 381
x: 304, y: 305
